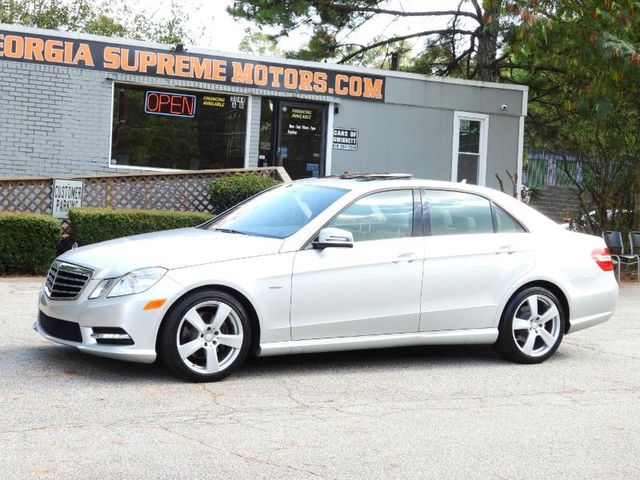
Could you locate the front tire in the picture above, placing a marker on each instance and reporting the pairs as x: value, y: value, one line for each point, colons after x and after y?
x: 205, y: 336
x: 532, y: 326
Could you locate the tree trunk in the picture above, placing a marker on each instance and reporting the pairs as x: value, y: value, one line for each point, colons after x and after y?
x: 488, y: 41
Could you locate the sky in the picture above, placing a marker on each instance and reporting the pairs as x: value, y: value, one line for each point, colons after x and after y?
x: 212, y: 28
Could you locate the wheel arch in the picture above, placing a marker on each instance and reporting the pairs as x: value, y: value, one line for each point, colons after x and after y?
x: 553, y: 288
x: 239, y: 296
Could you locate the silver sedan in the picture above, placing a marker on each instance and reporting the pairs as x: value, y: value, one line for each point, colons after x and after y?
x: 333, y: 264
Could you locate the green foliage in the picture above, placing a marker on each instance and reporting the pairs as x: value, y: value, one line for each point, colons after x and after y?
x: 471, y: 31
x: 92, y: 225
x: 229, y: 191
x: 28, y: 242
x: 261, y: 44
x: 584, y: 94
x: 113, y: 18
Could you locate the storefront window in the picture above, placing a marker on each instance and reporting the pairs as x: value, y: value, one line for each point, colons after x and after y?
x: 161, y: 128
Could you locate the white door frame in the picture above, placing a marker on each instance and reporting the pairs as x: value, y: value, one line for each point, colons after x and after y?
x: 484, y: 140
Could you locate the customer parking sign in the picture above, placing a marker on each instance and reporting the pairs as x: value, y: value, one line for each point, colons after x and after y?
x: 66, y: 194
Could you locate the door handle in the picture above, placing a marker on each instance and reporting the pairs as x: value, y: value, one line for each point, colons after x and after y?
x: 407, y: 257
x: 508, y: 249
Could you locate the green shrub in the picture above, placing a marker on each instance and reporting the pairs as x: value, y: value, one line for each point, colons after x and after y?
x: 92, y: 225
x: 28, y: 242
x: 229, y: 191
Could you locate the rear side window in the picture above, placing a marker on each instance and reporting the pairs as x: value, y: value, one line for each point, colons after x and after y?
x: 505, y: 223
x: 379, y: 216
x: 458, y: 213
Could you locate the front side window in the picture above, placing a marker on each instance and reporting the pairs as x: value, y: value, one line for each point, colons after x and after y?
x: 469, y: 148
x: 379, y: 216
x: 280, y: 212
x: 187, y: 130
x: 458, y: 213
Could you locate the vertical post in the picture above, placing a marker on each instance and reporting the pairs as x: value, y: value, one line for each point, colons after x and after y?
x: 108, y: 193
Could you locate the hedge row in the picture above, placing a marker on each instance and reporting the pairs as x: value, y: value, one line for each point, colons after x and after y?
x: 92, y: 225
x: 229, y: 191
x: 28, y: 242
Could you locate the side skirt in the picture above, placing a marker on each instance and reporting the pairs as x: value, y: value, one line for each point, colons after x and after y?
x: 335, y: 344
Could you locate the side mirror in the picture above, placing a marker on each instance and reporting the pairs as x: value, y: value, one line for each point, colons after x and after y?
x: 333, y: 237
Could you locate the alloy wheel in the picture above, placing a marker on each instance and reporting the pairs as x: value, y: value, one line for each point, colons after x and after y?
x: 209, y: 337
x: 536, y: 325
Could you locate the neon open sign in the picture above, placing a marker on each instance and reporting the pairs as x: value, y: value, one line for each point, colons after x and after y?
x: 170, y: 104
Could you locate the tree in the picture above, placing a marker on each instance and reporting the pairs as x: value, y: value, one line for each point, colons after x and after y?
x: 586, y: 100
x: 261, y: 44
x: 113, y: 19
x: 469, y: 43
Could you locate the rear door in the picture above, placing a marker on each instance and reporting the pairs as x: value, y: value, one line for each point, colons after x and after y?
x: 474, y: 253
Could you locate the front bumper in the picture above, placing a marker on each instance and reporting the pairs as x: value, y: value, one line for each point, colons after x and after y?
x: 126, y: 313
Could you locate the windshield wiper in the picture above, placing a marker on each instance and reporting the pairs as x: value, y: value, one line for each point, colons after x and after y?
x: 230, y: 230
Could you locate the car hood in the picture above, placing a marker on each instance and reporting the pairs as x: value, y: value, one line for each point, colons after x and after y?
x: 169, y: 249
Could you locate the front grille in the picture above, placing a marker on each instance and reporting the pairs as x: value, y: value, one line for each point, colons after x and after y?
x: 60, y: 328
x: 65, y: 281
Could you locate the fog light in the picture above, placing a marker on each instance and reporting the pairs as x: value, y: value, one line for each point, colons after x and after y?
x: 111, y: 336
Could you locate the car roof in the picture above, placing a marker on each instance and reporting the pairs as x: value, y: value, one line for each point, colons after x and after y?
x: 371, y: 182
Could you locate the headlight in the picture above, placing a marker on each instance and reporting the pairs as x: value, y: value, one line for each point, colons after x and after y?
x: 137, y: 281
x: 102, y: 288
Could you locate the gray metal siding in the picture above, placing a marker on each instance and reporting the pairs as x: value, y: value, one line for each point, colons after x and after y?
x: 449, y: 96
x: 502, y: 150
x: 395, y: 138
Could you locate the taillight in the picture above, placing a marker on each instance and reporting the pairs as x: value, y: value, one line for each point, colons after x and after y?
x: 602, y: 257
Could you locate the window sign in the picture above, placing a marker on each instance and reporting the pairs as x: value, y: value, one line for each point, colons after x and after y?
x: 170, y: 104
x: 345, y: 139
x: 66, y: 194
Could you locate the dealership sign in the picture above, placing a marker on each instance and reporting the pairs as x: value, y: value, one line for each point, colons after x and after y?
x: 345, y: 139
x: 66, y: 194
x: 110, y: 57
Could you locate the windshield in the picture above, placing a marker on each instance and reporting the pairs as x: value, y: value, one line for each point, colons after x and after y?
x: 280, y: 212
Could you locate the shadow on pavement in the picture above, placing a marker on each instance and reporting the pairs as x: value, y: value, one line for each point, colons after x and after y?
x: 62, y: 360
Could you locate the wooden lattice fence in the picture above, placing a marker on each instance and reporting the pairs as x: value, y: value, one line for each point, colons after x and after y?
x: 182, y: 191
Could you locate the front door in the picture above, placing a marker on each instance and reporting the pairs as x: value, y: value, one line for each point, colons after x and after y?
x: 301, y: 138
x: 372, y: 288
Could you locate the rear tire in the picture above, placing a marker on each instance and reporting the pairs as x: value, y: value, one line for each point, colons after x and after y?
x: 205, y: 336
x: 531, y: 327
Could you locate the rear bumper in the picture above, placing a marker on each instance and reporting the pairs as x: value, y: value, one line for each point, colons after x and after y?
x: 593, y: 303
x: 589, y: 321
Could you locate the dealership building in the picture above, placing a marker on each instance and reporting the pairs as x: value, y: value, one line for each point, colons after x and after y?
x: 76, y: 104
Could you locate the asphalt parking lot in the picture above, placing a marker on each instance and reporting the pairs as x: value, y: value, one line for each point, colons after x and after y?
x: 404, y: 413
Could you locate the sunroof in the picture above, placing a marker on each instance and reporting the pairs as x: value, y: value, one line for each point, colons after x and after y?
x: 375, y: 176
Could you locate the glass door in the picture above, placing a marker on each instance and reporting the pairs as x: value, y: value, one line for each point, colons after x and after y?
x: 301, y: 138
